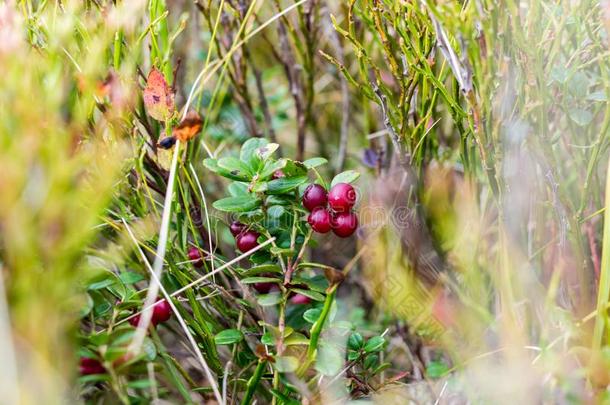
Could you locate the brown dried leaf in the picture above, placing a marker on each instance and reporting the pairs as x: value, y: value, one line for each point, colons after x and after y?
x: 334, y: 276
x: 189, y: 127
x: 158, y: 96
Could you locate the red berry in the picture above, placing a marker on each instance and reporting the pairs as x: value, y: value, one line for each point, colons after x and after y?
x: 134, y: 321
x: 342, y: 197
x: 314, y: 196
x: 247, y: 241
x: 299, y: 299
x: 320, y: 219
x: 90, y: 366
x: 278, y: 174
x: 263, y: 288
x: 162, y: 311
x: 236, y: 228
x: 194, y: 256
x: 344, y: 224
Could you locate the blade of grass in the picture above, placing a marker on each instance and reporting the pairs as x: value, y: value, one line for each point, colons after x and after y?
x: 181, y: 321
x: 153, y: 290
x: 601, y: 318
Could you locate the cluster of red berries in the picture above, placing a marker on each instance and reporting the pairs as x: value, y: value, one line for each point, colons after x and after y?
x: 339, y: 217
x: 245, y: 238
x: 162, y: 311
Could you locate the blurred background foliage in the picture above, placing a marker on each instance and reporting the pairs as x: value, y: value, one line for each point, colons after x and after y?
x: 481, y: 267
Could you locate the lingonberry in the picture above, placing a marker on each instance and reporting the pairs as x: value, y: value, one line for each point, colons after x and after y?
x: 300, y: 299
x: 162, y: 311
x: 236, y: 228
x: 320, y: 219
x: 194, y: 256
x: 344, y: 224
x: 247, y: 240
x: 90, y: 366
x: 263, y: 288
x: 314, y: 196
x: 278, y: 174
x: 342, y: 197
x: 134, y: 321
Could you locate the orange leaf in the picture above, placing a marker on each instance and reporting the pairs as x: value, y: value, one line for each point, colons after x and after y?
x: 158, y: 97
x: 189, y: 127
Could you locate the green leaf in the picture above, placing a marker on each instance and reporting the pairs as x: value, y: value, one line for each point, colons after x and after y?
x: 149, y: 349
x: 228, y: 337
x: 381, y: 367
x: 355, y: 341
x: 581, y: 117
x: 236, y: 167
x: 253, y: 280
x: 285, y: 184
x: 275, y: 211
x: 597, y: 96
x: 212, y: 164
x: 436, y: 369
x: 139, y: 384
x: 348, y: 176
x: 237, y: 189
x: 316, y: 296
x: 264, y: 152
x: 296, y: 338
x: 315, y: 162
x: 268, y: 339
x: 130, y: 277
x: 106, y: 281
x: 263, y: 268
x: 267, y: 300
x: 312, y: 315
x: 374, y: 344
x: 559, y: 74
x: 317, y: 283
x: 284, y: 399
x: 294, y: 169
x: 371, y: 361
x: 248, y: 153
x: 329, y: 361
x: 271, y: 167
x: 281, y: 251
x: 286, y: 364
x: 352, y: 355
x: 237, y: 204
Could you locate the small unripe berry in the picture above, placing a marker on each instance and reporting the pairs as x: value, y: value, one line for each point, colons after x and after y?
x: 247, y: 241
x: 90, y: 366
x: 300, y: 299
x: 344, y: 224
x: 320, y: 219
x: 162, y: 311
x: 236, y: 228
x: 342, y: 197
x: 194, y: 256
x: 314, y: 196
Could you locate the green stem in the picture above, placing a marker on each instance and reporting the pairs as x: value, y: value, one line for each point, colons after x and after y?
x: 253, y: 382
x: 316, y: 330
